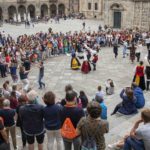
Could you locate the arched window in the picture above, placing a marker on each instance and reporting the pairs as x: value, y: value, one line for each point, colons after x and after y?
x: 89, y: 6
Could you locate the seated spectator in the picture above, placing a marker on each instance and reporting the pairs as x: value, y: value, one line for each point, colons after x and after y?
x: 21, y: 102
x: 8, y: 115
x: 52, y: 120
x: 103, y: 107
x: 138, y: 93
x: 13, y: 100
x: 127, y: 106
x: 4, y: 142
x: 71, y: 111
x: 139, y: 137
x: 84, y: 99
x: 32, y: 121
x: 93, y: 126
x: 100, y: 92
x: 109, y: 87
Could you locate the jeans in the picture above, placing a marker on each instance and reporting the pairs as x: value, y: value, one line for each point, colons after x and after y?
x: 12, y: 131
x: 133, y: 144
x: 68, y: 144
x: 52, y: 135
x: 25, y: 84
x: 40, y: 81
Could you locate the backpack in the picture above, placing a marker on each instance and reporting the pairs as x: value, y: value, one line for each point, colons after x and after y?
x: 89, y: 143
x: 68, y: 131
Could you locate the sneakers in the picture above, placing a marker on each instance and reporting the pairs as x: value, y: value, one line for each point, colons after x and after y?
x: 113, y: 146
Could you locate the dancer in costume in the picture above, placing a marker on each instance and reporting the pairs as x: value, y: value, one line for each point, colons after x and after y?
x: 86, y: 68
x: 139, y: 76
x: 75, y: 64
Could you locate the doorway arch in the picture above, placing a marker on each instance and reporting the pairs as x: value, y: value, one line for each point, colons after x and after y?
x: 53, y: 10
x: 11, y: 12
x: 31, y: 11
x: 44, y: 10
x: 22, y: 12
x: 61, y: 9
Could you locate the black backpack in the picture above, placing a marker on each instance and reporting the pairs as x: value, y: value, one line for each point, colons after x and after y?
x: 89, y: 143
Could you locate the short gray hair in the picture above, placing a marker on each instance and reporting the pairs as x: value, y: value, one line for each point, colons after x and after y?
x: 32, y: 95
x: 6, y: 103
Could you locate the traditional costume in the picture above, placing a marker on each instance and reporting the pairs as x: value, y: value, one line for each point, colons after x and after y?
x: 86, y: 68
x: 75, y: 64
x: 139, y: 77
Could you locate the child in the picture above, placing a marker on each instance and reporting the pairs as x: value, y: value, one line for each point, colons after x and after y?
x: 109, y: 87
x: 100, y: 92
x: 94, y: 61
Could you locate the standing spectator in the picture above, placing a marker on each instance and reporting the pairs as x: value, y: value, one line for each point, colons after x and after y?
x: 100, y: 92
x: 100, y: 100
x: 71, y: 111
x: 84, y: 99
x: 32, y: 121
x: 132, y: 52
x: 93, y: 126
x: 52, y: 120
x: 8, y: 115
x: 13, y: 100
x: 83, y: 24
x: 27, y: 64
x: 4, y: 142
x: 21, y: 102
x: 13, y: 70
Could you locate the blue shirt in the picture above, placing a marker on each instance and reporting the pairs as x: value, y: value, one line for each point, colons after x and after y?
x: 52, y: 119
x: 104, y: 111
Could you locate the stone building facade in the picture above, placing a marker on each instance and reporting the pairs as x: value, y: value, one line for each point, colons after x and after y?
x: 92, y: 8
x: 40, y: 8
x: 119, y: 13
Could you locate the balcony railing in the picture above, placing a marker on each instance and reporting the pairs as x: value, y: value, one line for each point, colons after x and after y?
x: 53, y: 1
x: 21, y: 1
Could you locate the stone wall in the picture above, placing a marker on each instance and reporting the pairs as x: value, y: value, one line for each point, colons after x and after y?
x: 142, y: 15
x: 5, y: 4
x: 92, y: 13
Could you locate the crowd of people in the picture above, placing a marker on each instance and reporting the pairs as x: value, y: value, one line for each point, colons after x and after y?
x: 76, y: 120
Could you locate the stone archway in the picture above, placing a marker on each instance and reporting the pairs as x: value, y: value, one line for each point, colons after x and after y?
x: 12, y: 11
x: 22, y: 12
x: 1, y: 14
x: 61, y: 9
x: 44, y: 10
x: 53, y: 10
x: 31, y: 11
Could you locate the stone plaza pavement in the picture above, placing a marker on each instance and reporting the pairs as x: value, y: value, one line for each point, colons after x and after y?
x: 58, y: 74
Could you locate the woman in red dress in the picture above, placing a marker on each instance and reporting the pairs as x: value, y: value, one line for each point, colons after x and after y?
x: 139, y: 76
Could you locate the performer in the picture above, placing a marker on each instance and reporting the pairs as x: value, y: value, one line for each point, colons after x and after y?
x: 132, y: 52
x: 139, y: 76
x: 41, y: 75
x: 94, y: 61
x: 86, y: 68
x: 75, y: 64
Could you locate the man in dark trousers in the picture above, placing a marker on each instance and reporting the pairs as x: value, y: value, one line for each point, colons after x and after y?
x: 41, y: 75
